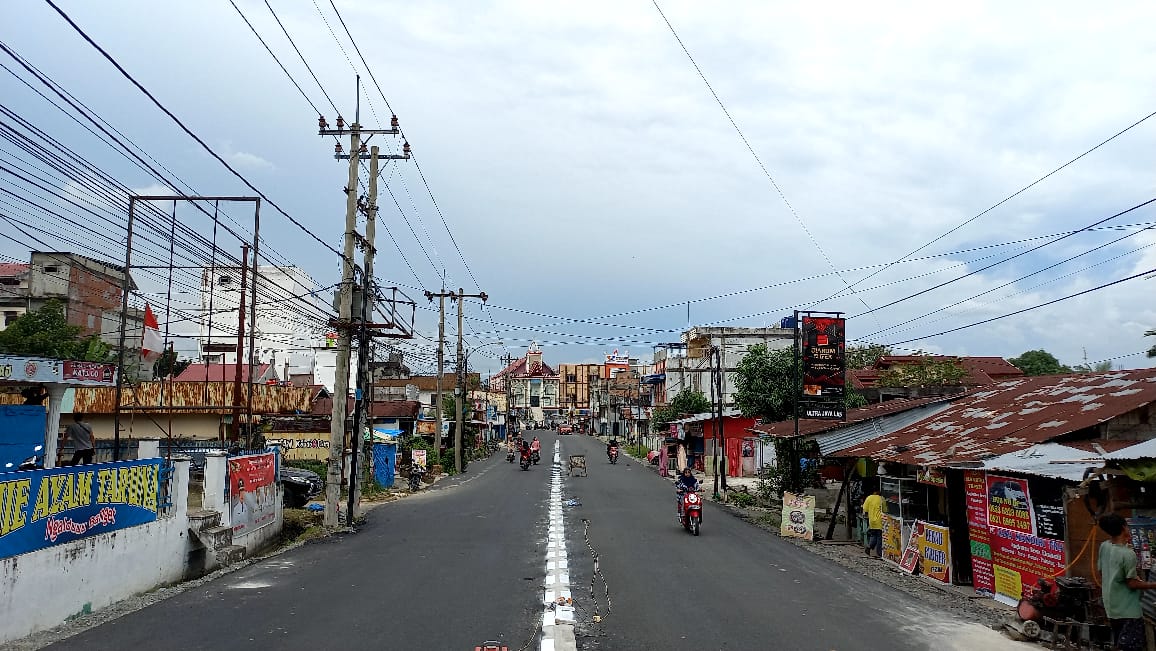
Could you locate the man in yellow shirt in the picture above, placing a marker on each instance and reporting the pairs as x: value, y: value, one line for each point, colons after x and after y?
x: 873, y: 509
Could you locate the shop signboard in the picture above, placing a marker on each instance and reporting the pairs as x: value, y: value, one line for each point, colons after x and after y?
x: 892, y: 538
x: 419, y: 459
x: 1021, y: 559
x: 910, y: 558
x: 798, y: 516
x: 931, y: 477
x: 935, y: 552
x: 427, y: 427
x: 42, y: 508
x: 975, y: 492
x: 39, y: 369
x: 252, y: 491
x: 824, y: 362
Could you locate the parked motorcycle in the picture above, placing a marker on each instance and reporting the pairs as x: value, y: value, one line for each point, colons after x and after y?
x: 690, y: 515
x: 510, y: 456
x: 613, y: 454
x: 415, y: 475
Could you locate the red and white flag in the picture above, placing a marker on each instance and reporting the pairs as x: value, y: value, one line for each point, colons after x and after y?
x: 151, y: 345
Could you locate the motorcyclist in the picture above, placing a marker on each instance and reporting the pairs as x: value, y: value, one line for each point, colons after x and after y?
x: 525, y: 449
x: 686, y: 482
x: 611, y: 446
x: 535, y: 445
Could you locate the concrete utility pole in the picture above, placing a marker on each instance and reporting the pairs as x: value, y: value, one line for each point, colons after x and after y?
x: 460, y: 394
x: 344, y: 321
x: 236, y: 429
x: 441, y: 296
x: 508, y: 359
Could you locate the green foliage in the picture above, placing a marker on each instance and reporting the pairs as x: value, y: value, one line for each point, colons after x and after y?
x: 637, y: 451
x: 46, y: 333
x: 319, y: 467
x: 687, y: 401
x: 927, y: 372
x: 1039, y: 362
x: 767, y: 383
x: 789, y: 474
x: 852, y: 399
x: 865, y: 356
x: 168, y: 364
x: 741, y: 499
x: 1098, y: 367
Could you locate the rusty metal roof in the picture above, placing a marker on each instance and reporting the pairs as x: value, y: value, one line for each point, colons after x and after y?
x: 194, y: 397
x: 1014, y: 415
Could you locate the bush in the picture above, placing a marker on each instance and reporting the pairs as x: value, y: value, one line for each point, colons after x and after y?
x: 637, y: 451
x: 741, y: 499
x: 319, y: 467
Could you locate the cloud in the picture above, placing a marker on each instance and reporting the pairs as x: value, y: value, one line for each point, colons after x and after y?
x: 249, y: 161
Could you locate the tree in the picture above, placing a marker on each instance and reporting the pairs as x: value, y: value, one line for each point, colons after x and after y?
x: 1098, y: 367
x: 168, y: 364
x: 928, y: 371
x: 687, y: 401
x: 1039, y: 362
x: 865, y: 356
x: 46, y: 333
x: 766, y: 383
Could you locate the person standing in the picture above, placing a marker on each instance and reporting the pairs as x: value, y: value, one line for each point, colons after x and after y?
x: 80, y: 433
x: 873, y: 509
x: 1121, y: 584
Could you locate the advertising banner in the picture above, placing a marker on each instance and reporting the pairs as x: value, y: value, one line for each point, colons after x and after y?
x: 975, y: 493
x: 931, y: 477
x: 427, y: 427
x: 892, y: 538
x: 419, y: 459
x: 89, y: 372
x: 910, y: 558
x: 41, y: 508
x: 1009, y: 506
x: 824, y: 362
x: 935, y: 552
x: 798, y: 516
x: 252, y: 491
x: 301, y: 445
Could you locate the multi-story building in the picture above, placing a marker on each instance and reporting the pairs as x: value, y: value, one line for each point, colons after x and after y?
x: 85, y: 287
x: 288, y: 325
x: 620, y: 403
x: 13, y: 292
x: 574, y: 382
x: 687, y: 364
x: 532, y: 387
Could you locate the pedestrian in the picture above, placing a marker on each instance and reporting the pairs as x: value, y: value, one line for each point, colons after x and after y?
x: 1121, y: 584
x: 873, y: 509
x: 80, y: 433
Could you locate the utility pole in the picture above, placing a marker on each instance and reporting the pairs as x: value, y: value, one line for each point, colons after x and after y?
x: 459, y: 397
x: 344, y: 322
x: 240, y: 345
x: 441, y: 296
x: 508, y: 359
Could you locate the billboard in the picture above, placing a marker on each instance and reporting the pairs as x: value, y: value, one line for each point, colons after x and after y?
x: 42, y: 508
x: 252, y: 491
x: 824, y: 367
x: 798, y: 516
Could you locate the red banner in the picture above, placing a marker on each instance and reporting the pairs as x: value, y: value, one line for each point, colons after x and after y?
x: 89, y: 372
x: 252, y: 491
x: 1021, y: 560
x: 975, y: 491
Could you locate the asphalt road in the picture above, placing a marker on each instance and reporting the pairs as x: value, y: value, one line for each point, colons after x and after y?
x: 464, y: 562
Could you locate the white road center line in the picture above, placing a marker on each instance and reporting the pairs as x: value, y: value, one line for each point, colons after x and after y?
x: 558, y: 613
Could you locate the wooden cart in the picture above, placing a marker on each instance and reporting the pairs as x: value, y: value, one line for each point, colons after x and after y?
x: 577, y: 464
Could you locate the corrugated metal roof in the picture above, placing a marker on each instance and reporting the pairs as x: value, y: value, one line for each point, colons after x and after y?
x: 807, y: 426
x: 833, y: 441
x: 1014, y: 415
x: 1047, y: 460
x: 1145, y: 450
x: 219, y: 373
x: 705, y: 416
x: 267, y: 399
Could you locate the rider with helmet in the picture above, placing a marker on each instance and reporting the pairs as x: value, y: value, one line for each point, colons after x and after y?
x: 686, y: 482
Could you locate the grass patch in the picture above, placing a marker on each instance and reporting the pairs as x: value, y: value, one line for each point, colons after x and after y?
x: 300, y: 525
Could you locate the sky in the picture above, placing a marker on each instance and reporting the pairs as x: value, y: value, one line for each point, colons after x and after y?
x: 571, y: 163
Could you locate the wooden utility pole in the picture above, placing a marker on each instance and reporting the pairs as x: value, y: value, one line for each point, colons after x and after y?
x: 460, y: 394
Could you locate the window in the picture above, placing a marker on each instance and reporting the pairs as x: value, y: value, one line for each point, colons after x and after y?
x: 9, y: 281
x: 51, y: 269
x: 225, y: 281
x: 9, y: 317
x: 91, y: 321
x: 571, y: 377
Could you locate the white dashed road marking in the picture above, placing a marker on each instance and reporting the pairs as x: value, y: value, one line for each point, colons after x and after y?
x: 558, y: 614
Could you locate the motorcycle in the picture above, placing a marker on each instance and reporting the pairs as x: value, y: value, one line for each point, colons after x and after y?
x: 525, y: 460
x: 510, y: 456
x: 415, y: 474
x: 613, y: 454
x: 535, y: 456
x: 690, y: 516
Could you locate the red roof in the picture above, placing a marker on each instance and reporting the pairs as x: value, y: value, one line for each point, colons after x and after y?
x: 1014, y: 415
x: 218, y: 373
x: 9, y: 269
x: 786, y: 429
x: 387, y: 409
x: 518, y: 369
x: 981, y: 371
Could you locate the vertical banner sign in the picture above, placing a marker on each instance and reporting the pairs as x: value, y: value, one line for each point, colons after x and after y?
x: 798, y: 516
x: 42, y: 508
x: 1022, y: 550
x: 419, y: 459
x: 975, y: 494
x: 892, y: 538
x: 252, y: 492
x: 935, y: 552
x: 910, y: 558
x: 824, y: 362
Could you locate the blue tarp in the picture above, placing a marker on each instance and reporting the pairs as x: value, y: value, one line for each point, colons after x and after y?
x: 21, y: 434
x: 384, y: 463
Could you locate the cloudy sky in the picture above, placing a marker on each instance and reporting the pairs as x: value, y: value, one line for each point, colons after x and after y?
x: 583, y: 175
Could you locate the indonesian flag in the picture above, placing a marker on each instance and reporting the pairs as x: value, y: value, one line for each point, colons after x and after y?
x: 151, y: 345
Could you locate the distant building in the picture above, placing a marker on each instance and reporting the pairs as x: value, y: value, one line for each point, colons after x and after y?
x: 686, y: 365
x: 13, y: 292
x: 86, y: 287
x: 532, y: 385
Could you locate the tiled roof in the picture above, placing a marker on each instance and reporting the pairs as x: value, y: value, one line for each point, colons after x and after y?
x: 981, y: 371
x: 9, y: 269
x: 1014, y: 415
x: 218, y: 373
x: 385, y: 409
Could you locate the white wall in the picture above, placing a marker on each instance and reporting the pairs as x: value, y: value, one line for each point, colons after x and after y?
x: 281, y: 322
x: 41, y: 589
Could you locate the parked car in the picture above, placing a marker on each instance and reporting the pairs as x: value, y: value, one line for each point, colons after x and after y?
x: 300, y: 485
